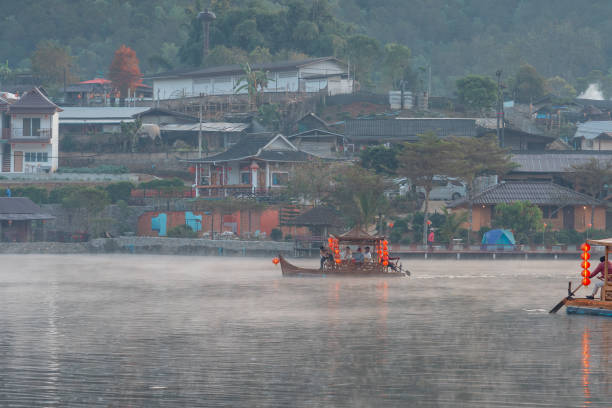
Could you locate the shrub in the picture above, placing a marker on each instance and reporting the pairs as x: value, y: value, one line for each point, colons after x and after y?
x: 37, y: 194
x: 182, y: 231
x: 401, y: 226
x: 119, y: 191
x: 276, y: 234
x: 104, y: 169
x: 406, y: 241
x: 395, y: 236
x: 57, y: 195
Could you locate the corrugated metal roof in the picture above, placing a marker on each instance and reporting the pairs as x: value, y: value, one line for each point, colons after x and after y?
x: 100, y: 113
x: 206, y: 127
x: 554, y: 162
x: 96, y: 121
x: 231, y: 69
x: 534, y: 192
x: 408, y: 129
x: 593, y: 128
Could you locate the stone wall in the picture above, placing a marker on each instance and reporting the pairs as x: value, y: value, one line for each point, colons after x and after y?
x: 185, y: 246
x: 153, y: 246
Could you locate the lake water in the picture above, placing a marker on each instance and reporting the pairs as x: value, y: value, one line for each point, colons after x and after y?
x: 157, y: 331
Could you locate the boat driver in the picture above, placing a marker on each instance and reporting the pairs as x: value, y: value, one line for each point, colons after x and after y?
x: 600, y: 270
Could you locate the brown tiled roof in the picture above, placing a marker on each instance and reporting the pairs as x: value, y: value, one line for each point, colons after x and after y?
x: 535, y: 192
x: 21, y: 208
x: 318, y: 216
x: 34, y: 102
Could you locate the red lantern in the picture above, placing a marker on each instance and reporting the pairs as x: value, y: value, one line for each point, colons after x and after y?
x: 428, y: 222
x: 585, y: 273
x: 275, y: 261
x: 586, y: 281
x: 385, y: 242
x: 338, y: 261
x: 191, y: 169
x: 385, y: 262
x: 585, y: 256
x: 585, y: 264
x: 585, y: 247
x: 391, y: 225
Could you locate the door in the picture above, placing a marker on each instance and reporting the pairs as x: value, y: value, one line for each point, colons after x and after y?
x: 18, y: 162
x: 568, y: 218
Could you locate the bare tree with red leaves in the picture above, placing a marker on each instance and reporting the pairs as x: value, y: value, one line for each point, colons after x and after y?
x: 124, y: 72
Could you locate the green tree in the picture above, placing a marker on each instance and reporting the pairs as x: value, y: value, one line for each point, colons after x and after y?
x: 222, y: 55
x: 560, y: 88
x: 477, y: 92
x: 424, y: 159
x: 396, y: 63
x: 452, y: 225
x: 381, y: 159
x: 363, y: 53
x: 528, y: 84
x: 120, y: 191
x: 591, y: 177
x: 521, y: 217
x: 313, y: 181
x: 253, y: 82
x: 52, y: 63
x: 129, y: 134
x: 474, y: 157
x: 358, y: 194
x: 87, y: 202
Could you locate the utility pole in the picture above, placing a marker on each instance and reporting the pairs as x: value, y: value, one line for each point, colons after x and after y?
x: 500, y: 109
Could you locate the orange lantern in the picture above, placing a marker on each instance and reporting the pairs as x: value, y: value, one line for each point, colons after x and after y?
x: 391, y: 225
x: 275, y: 261
x: 338, y: 261
x: 585, y: 264
x: 385, y: 262
x: 385, y: 242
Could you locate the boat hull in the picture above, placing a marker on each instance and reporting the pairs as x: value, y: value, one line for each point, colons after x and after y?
x: 589, y: 307
x: 363, y: 270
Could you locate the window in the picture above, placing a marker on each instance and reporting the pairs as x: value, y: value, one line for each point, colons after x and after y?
x: 36, y: 157
x: 31, y: 126
x: 280, y: 179
x: 549, y: 212
x: 245, y: 177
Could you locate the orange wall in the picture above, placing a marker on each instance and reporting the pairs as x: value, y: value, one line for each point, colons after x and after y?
x: 264, y: 221
x: 582, y: 217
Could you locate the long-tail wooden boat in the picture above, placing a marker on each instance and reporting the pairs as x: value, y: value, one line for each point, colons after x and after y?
x: 380, y: 264
x: 601, y: 306
x: 343, y: 269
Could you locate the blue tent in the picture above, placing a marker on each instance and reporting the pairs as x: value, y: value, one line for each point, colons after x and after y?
x: 498, y: 237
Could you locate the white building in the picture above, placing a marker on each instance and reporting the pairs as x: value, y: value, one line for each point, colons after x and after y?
x: 311, y: 75
x: 30, y: 134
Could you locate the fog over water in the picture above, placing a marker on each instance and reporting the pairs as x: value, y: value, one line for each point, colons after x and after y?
x: 160, y: 331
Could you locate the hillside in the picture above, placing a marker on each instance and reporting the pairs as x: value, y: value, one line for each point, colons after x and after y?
x: 457, y: 37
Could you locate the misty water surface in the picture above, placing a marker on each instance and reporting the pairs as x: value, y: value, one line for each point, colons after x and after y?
x: 146, y: 331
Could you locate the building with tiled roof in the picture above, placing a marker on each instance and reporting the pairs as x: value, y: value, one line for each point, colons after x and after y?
x: 29, y: 140
x: 257, y: 163
x: 562, y: 208
x: 16, y: 216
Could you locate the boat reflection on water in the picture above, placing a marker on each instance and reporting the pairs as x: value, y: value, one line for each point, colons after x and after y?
x: 586, y: 366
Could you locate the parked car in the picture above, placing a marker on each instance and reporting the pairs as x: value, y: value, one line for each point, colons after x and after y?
x: 445, y: 188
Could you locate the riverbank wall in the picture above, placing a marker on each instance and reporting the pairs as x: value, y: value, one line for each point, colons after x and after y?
x: 153, y: 246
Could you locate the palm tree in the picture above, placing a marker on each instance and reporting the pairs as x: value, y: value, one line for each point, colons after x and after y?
x: 253, y: 81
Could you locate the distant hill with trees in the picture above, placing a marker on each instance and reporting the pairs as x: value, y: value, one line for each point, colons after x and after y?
x: 559, y: 38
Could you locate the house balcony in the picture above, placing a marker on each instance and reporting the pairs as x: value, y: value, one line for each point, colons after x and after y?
x: 17, y: 135
x: 237, y: 190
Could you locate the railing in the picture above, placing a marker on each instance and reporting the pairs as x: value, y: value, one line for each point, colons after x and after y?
x: 42, y: 133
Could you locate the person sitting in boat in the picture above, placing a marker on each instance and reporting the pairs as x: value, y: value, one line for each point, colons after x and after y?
x: 600, y: 270
x: 358, y: 256
x: 347, y: 256
x: 367, y: 255
x: 329, y: 258
x: 323, y: 254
